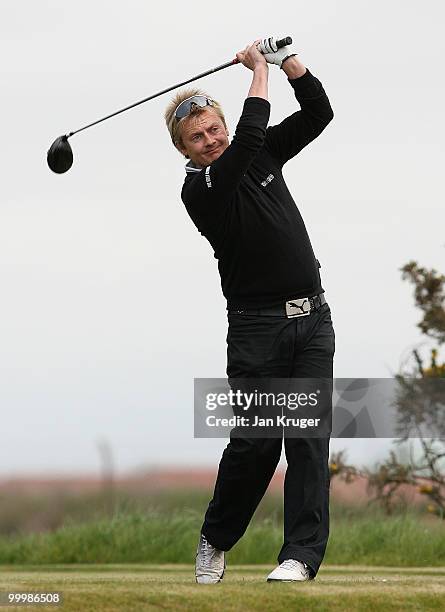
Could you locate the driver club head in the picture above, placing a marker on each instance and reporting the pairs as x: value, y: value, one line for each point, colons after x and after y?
x: 60, y: 155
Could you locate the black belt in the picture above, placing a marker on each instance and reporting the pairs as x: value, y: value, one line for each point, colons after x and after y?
x: 300, y: 307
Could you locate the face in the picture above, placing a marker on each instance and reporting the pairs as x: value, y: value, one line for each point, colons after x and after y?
x: 204, y: 137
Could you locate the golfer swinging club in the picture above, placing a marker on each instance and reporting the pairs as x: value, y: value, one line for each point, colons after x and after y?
x: 279, y: 321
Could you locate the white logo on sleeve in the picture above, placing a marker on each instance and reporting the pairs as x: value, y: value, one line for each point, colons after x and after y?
x: 267, y: 180
x: 208, y: 179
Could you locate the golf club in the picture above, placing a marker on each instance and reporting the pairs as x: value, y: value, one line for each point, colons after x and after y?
x: 60, y: 154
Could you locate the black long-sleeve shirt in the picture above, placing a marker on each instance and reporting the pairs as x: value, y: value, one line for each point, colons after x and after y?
x: 242, y: 205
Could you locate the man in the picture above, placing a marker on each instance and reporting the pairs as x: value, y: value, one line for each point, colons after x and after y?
x: 279, y: 321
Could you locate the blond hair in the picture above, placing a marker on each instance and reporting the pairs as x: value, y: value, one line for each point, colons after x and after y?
x: 174, y: 126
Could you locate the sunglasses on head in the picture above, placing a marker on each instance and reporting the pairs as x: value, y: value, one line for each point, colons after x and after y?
x: 186, y: 107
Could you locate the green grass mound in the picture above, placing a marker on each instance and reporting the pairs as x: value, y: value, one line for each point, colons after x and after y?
x: 157, y: 537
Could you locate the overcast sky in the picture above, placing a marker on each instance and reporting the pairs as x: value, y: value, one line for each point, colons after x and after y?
x: 110, y: 298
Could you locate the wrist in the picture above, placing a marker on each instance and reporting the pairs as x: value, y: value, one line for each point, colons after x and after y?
x: 287, y: 58
x: 261, y: 67
x: 293, y: 67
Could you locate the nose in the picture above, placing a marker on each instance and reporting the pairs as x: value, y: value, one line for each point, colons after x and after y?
x: 209, y: 139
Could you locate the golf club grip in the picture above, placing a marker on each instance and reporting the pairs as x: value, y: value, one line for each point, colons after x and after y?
x: 283, y: 42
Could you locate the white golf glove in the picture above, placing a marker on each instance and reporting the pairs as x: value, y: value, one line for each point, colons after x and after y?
x: 272, y: 54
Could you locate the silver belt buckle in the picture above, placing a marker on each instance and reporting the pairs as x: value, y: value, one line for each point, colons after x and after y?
x: 298, y: 308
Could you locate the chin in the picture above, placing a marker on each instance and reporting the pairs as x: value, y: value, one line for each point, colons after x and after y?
x: 215, y: 154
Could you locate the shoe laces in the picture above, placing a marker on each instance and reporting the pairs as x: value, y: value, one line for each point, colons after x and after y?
x: 291, y: 564
x: 207, y: 551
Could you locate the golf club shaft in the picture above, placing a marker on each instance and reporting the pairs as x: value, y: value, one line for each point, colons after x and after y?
x: 280, y: 43
x: 122, y: 110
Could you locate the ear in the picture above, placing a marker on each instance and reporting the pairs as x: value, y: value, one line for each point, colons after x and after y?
x: 182, y: 149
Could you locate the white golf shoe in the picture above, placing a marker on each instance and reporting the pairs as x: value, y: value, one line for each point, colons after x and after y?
x: 210, y: 563
x: 290, y: 570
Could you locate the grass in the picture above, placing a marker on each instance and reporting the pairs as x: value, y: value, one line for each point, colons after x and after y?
x: 107, y: 558
x: 142, y: 587
x: 159, y: 537
x: 27, y: 513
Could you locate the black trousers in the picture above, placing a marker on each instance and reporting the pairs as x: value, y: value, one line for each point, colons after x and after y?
x: 278, y: 347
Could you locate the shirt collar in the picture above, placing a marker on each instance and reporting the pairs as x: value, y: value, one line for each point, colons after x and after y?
x: 191, y: 167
